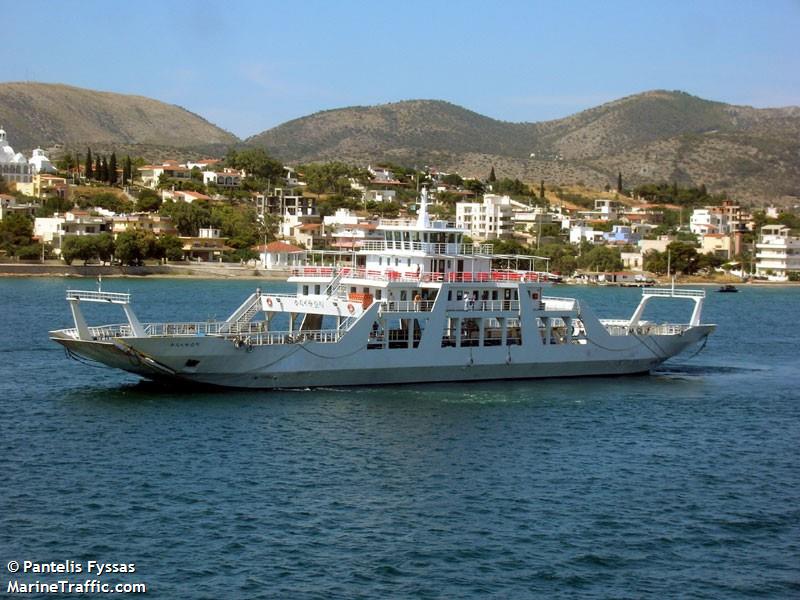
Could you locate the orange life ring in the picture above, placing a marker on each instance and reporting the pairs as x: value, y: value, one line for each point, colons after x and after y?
x: 351, y: 309
x: 269, y: 301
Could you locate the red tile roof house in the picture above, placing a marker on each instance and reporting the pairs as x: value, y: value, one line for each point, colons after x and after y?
x: 280, y: 255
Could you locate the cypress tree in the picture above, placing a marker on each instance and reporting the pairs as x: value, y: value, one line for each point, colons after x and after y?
x: 112, y: 169
x: 619, y: 182
x: 87, y: 167
x: 104, y: 170
x: 126, y: 170
x: 97, y: 165
x: 492, y: 177
x: 541, y: 189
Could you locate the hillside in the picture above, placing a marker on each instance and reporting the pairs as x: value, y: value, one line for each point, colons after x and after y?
x: 657, y: 135
x: 41, y: 114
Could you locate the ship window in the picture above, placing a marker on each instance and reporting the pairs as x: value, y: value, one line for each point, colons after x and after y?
x: 459, y: 295
x: 305, y: 290
x: 516, y: 295
x: 378, y: 294
x: 507, y: 294
x: 317, y: 289
x: 408, y: 262
x: 403, y: 295
x: 449, y: 295
x: 353, y: 289
x: 380, y: 261
x: 494, y: 294
x: 513, y: 333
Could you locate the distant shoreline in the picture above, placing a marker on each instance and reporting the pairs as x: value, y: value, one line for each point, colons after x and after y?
x: 180, y: 271
x: 215, y: 271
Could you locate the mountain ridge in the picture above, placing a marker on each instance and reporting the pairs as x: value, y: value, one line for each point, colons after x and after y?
x: 48, y: 114
x: 657, y: 135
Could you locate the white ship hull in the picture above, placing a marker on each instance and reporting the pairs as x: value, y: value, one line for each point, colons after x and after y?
x: 313, y: 364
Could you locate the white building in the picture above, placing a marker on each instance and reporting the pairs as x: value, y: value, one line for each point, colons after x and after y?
x: 487, y: 220
x: 777, y: 253
x: 280, y: 255
x: 150, y: 174
x: 53, y: 230
x: 608, y: 210
x: 204, y: 164
x: 578, y: 233
x: 227, y: 178
x: 380, y: 174
x: 705, y: 220
x: 346, y: 230
x: 40, y: 163
x: 14, y: 167
x: 183, y: 196
x: 380, y: 195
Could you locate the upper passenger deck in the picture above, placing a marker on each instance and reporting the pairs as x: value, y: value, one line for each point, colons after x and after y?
x: 423, y: 248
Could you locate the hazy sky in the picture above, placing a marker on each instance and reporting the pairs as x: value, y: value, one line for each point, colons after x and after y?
x: 248, y: 66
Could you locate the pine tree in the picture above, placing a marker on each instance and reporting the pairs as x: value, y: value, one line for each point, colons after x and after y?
x: 104, y: 170
x: 619, y: 182
x: 112, y: 169
x: 97, y: 166
x: 87, y: 167
x: 492, y: 176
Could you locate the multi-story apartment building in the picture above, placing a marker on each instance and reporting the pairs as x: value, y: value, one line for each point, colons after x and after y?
x: 53, y: 230
x: 154, y: 223
x: 777, y: 253
x: 150, y: 174
x: 487, y: 220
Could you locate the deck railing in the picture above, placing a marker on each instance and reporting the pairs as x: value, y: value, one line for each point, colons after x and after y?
x: 484, y: 305
x: 412, y: 276
x: 430, y: 248
x: 92, y: 296
x: 673, y: 293
x: 622, y: 328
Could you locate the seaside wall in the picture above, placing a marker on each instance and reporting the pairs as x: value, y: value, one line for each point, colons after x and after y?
x: 21, y: 269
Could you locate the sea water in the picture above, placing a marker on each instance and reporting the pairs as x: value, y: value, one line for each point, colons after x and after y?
x: 683, y: 483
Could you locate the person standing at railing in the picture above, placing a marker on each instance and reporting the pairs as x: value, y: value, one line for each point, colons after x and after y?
x: 417, y: 300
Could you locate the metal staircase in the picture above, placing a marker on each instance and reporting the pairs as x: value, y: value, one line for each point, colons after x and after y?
x: 335, y: 283
x: 243, y: 315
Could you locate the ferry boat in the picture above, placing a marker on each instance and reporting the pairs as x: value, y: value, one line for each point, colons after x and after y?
x: 419, y: 305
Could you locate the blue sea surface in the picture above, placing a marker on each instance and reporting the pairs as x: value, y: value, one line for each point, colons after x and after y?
x: 684, y: 483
